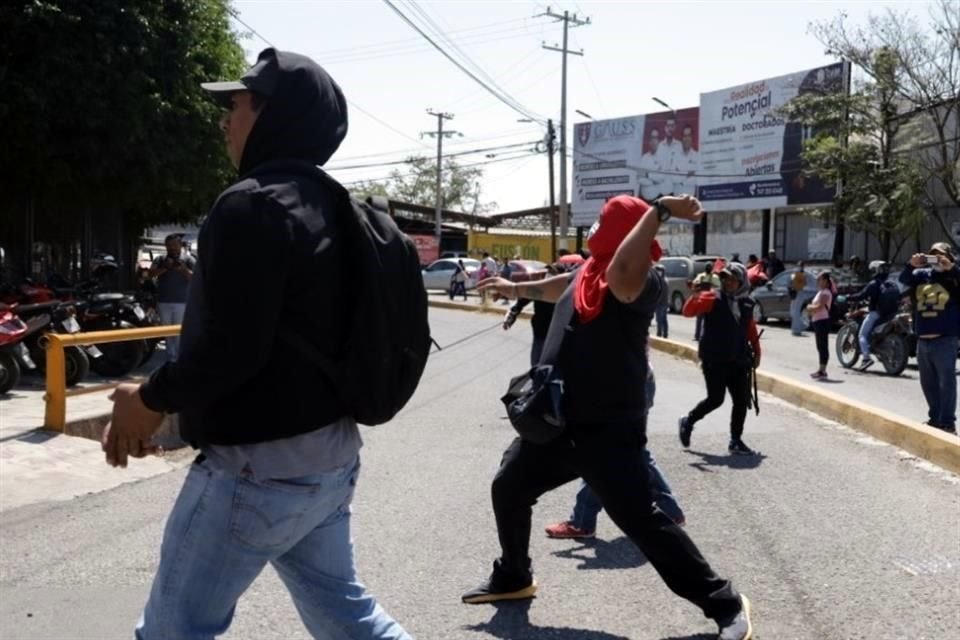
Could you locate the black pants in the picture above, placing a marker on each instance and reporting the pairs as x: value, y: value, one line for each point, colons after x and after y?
x: 822, y: 330
x: 608, y: 457
x: 721, y: 378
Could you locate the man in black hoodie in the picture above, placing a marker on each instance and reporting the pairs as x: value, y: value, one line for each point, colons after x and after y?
x: 279, y: 459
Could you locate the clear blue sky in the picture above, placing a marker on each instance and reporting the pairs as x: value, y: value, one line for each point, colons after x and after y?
x: 636, y: 50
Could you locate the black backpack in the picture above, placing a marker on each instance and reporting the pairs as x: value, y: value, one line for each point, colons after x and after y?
x: 888, y: 300
x: 388, y: 339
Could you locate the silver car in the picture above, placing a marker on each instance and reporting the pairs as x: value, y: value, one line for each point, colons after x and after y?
x: 680, y: 272
x: 437, y: 275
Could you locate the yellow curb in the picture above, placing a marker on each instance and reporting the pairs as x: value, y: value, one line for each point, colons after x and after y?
x: 491, y: 308
x: 931, y: 444
x: 934, y: 445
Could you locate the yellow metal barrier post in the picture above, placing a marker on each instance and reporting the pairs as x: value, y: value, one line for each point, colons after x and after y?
x: 55, y: 412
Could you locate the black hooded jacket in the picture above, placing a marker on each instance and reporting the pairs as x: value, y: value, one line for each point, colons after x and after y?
x: 269, y: 262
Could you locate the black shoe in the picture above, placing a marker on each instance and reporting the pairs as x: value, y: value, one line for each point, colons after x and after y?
x: 739, y: 448
x: 501, y: 586
x: 686, y: 430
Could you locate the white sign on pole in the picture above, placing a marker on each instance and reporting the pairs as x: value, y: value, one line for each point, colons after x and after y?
x: 749, y: 155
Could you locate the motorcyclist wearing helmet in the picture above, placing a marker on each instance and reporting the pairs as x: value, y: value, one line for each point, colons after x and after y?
x: 729, y: 349
x: 879, y: 271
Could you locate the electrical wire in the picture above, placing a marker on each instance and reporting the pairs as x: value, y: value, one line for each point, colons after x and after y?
x: 459, y: 166
x: 446, y: 155
x: 505, y: 99
x: 236, y: 16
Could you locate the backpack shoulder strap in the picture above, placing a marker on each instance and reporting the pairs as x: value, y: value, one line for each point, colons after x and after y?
x: 563, y: 314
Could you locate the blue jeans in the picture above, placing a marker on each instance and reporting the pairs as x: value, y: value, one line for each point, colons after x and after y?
x: 223, y: 531
x: 662, y: 325
x: 588, y: 507
x: 937, y: 359
x: 171, y: 313
x: 797, y: 321
x: 865, y: 330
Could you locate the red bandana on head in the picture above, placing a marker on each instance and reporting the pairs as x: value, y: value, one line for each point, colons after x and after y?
x: 618, y: 216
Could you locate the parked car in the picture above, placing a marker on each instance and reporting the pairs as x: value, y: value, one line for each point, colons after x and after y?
x: 773, y: 298
x: 437, y: 275
x: 680, y: 272
x: 526, y: 270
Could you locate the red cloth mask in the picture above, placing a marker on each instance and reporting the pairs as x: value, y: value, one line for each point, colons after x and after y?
x: 617, y: 218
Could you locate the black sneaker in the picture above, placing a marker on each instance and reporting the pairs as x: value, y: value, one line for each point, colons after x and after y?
x: 501, y: 586
x: 739, y: 448
x: 686, y: 430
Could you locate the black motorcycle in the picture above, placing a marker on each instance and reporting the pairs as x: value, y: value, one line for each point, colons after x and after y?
x: 60, y: 317
x: 890, y: 341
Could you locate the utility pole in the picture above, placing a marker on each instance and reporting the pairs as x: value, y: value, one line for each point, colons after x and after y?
x: 440, y: 134
x: 551, y: 141
x: 564, y: 200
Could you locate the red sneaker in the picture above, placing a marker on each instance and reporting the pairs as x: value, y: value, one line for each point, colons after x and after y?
x: 567, y: 530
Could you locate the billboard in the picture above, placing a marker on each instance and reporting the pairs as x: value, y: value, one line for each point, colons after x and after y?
x: 749, y: 155
x: 644, y: 156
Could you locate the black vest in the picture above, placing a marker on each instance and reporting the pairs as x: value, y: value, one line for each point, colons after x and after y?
x: 724, y: 340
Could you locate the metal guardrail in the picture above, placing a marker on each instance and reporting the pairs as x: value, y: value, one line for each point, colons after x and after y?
x: 55, y: 413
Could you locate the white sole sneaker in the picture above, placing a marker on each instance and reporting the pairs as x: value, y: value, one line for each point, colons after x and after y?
x: 740, y: 628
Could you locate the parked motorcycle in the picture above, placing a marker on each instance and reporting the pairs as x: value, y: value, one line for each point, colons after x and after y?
x: 96, y: 311
x: 63, y: 319
x: 14, y: 355
x: 889, y: 342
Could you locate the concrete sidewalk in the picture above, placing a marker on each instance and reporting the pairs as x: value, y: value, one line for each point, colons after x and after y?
x: 38, y: 465
x: 781, y: 376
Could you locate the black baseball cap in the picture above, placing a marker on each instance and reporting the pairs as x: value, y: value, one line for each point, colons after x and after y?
x: 261, y: 78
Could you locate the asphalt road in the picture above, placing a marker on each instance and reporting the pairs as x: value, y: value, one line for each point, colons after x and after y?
x: 833, y: 535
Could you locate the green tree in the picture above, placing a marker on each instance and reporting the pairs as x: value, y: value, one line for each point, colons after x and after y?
x: 882, y: 191
x: 909, y: 106
x: 102, y: 109
x: 416, y: 183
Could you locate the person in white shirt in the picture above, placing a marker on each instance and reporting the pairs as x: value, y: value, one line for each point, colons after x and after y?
x: 669, y: 147
x: 651, y: 170
x: 686, y: 164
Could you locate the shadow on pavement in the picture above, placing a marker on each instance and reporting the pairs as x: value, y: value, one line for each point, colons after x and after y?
x: 620, y: 553
x: 708, y: 460
x: 32, y: 437
x: 512, y: 622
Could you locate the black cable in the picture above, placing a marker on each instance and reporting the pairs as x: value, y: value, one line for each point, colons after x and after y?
x: 446, y: 155
x: 502, y: 98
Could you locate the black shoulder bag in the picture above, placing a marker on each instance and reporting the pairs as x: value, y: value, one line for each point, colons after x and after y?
x: 534, y: 400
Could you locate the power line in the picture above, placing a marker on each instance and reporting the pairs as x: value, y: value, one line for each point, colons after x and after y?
x: 506, y: 100
x: 460, y: 166
x: 236, y: 16
x: 448, y: 155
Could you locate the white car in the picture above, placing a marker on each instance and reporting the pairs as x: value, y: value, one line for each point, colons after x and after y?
x: 438, y: 274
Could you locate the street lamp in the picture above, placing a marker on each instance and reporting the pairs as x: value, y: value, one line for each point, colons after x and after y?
x: 662, y: 103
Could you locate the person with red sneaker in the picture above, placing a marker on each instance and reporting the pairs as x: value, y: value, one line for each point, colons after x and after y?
x: 583, y: 521
x: 602, y: 360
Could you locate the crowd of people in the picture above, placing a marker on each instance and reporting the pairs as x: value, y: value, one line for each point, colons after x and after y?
x: 279, y: 445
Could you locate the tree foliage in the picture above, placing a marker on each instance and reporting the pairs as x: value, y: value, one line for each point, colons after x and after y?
x: 902, y: 122
x: 102, y: 108
x: 882, y: 191
x: 416, y: 183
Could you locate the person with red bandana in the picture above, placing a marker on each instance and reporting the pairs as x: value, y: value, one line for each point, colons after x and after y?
x: 729, y: 350
x: 603, y: 365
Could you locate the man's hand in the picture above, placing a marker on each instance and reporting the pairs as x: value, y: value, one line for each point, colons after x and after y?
x: 684, y: 207
x: 918, y: 260
x: 945, y: 262
x: 500, y: 286
x: 131, y: 427
x: 756, y: 361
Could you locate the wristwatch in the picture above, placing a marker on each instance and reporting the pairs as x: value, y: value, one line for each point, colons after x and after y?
x: 663, y: 211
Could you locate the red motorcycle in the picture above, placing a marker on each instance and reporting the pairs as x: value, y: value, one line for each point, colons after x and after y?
x: 13, y: 352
